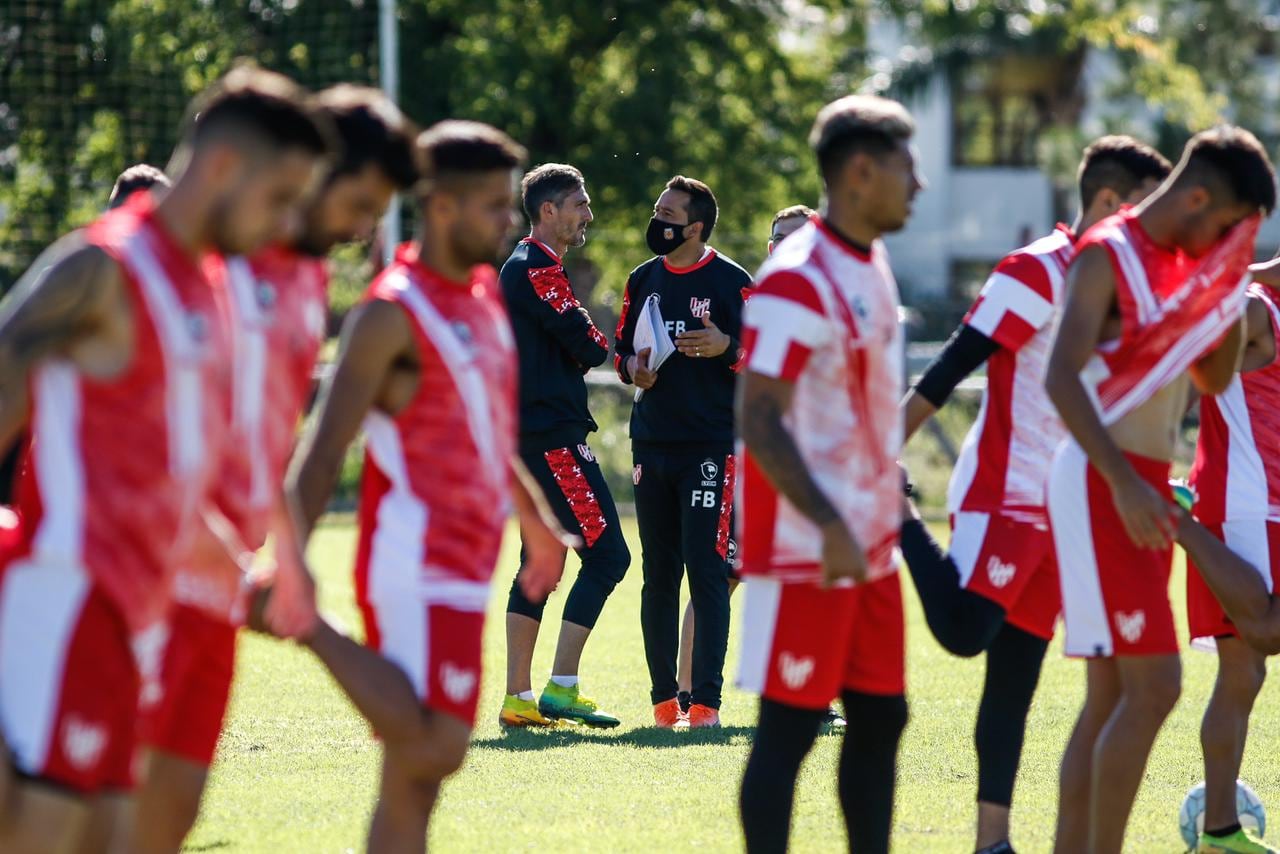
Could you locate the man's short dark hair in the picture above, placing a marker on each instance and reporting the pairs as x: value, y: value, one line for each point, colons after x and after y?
x: 141, y: 176
x: 371, y: 130
x: 791, y: 213
x: 702, y: 203
x: 454, y: 149
x: 857, y: 123
x: 550, y: 182
x: 1232, y: 165
x: 1120, y: 163
x: 250, y: 104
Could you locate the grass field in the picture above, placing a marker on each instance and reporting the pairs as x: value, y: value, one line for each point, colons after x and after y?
x: 297, y: 768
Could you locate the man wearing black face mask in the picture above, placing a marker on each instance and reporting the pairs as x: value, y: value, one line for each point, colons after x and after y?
x: 682, y: 443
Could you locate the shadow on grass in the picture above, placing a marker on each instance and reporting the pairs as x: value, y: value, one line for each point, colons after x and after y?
x: 530, y: 739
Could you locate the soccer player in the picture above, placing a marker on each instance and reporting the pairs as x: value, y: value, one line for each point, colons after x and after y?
x: 278, y: 305
x: 1153, y: 303
x: 997, y: 588
x: 114, y: 356
x: 135, y: 179
x: 821, y: 489
x: 1237, y: 488
x: 428, y: 365
x: 557, y: 344
x: 682, y: 443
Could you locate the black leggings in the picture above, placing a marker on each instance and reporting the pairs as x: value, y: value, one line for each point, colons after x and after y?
x: 1013, y: 671
x: 964, y: 622
x: 868, y: 770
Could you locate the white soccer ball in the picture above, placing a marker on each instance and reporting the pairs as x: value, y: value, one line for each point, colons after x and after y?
x: 1252, y: 815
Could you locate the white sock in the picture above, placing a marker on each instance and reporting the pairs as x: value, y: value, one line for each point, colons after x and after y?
x: 565, y: 681
x: 524, y: 695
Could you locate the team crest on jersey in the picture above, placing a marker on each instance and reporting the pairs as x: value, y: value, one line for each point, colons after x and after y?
x: 635, y: 475
x: 700, y: 307
x: 999, y: 572
x: 458, y: 683
x: 710, y: 471
x: 265, y: 294
x: 584, y: 451
x: 198, y: 326
x: 860, y: 308
x: 795, y: 671
x: 1131, y: 625
x: 83, y: 742
x: 731, y: 551
x: 463, y: 332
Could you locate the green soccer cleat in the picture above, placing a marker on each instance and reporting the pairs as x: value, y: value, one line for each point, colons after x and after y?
x: 1183, y: 495
x: 1240, y: 842
x: 571, y: 705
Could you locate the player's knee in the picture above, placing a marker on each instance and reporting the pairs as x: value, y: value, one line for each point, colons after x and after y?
x: 1157, y: 697
x: 518, y: 603
x: 436, y: 752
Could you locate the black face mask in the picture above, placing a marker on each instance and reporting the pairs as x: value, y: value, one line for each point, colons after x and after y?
x: 664, y: 237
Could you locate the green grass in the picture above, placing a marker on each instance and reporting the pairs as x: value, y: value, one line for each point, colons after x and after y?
x: 297, y: 768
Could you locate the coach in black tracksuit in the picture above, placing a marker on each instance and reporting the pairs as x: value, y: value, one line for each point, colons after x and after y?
x: 557, y: 344
x: 682, y: 441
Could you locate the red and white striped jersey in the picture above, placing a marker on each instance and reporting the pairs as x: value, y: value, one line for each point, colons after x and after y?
x: 435, y: 494
x: 1173, y: 308
x: 117, y: 469
x: 277, y: 306
x: 824, y: 316
x: 1236, y: 474
x: 1004, y: 464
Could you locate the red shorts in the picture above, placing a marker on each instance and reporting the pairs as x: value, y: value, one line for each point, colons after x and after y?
x: 195, y: 685
x: 1257, y: 541
x: 1115, y: 595
x: 435, y: 638
x: 804, y: 644
x: 69, y: 692
x: 1009, y: 559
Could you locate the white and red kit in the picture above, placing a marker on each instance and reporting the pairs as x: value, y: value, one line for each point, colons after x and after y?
x: 824, y: 316
x: 435, y: 495
x: 1173, y: 310
x: 277, y: 307
x: 116, y: 472
x: 1000, y: 540
x: 1236, y: 478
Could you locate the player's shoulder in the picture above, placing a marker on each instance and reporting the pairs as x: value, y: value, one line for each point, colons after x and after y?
x: 1040, y: 265
x: 730, y: 270
x: 644, y: 270
x: 794, y: 285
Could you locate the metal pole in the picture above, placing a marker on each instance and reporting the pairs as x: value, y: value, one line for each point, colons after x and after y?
x: 389, y: 58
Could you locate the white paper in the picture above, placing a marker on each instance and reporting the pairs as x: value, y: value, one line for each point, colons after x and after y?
x: 651, y: 333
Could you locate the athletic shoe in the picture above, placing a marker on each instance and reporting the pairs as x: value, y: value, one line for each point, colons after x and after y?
x: 833, y: 719
x: 999, y: 848
x: 572, y: 705
x: 667, y: 715
x: 1240, y: 842
x: 1183, y: 494
x: 703, y: 716
x: 522, y: 713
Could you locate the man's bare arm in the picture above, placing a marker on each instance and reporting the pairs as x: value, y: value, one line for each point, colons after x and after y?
x: 375, y: 337
x: 1260, y: 336
x: 62, y: 300
x: 762, y: 403
x: 1212, y: 372
x: 915, y: 411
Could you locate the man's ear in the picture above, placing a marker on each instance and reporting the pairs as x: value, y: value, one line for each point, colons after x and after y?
x: 548, y: 209
x: 697, y: 233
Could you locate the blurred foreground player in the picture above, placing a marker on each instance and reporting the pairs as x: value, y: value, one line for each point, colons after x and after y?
x: 1153, y: 304
x: 427, y: 364
x: 122, y: 348
x: 278, y: 304
x: 820, y: 491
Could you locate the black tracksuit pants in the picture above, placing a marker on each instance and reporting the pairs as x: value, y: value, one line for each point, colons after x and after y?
x: 684, y: 508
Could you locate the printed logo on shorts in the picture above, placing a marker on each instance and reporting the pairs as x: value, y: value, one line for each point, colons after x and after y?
x: 635, y: 475
x: 83, y: 742
x: 458, y: 684
x: 999, y: 572
x: 1131, y: 625
x: 700, y: 307
x: 584, y: 451
x: 796, y: 672
x: 710, y: 473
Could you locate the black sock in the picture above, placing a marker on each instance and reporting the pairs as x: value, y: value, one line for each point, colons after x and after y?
x: 868, y: 768
x: 783, y: 738
x: 962, y: 621
x: 1224, y: 831
x: 685, y: 699
x: 1013, y: 670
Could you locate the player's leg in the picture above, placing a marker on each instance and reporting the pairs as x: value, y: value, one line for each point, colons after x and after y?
x: 658, y: 518
x: 412, y: 773
x: 1075, y: 781
x: 605, y: 560
x: 784, y: 735
x: 706, y: 491
x: 181, y: 731
x: 42, y: 818
x: 1241, y: 672
x: 109, y: 826
x: 875, y: 707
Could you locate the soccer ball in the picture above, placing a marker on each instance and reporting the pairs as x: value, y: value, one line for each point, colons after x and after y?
x: 1248, y: 807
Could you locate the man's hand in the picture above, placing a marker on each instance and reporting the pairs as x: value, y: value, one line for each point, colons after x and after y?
x: 290, y: 610
x: 842, y: 556
x: 638, y: 367
x: 1267, y: 272
x: 706, y: 343
x: 544, y: 556
x: 1148, y: 518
